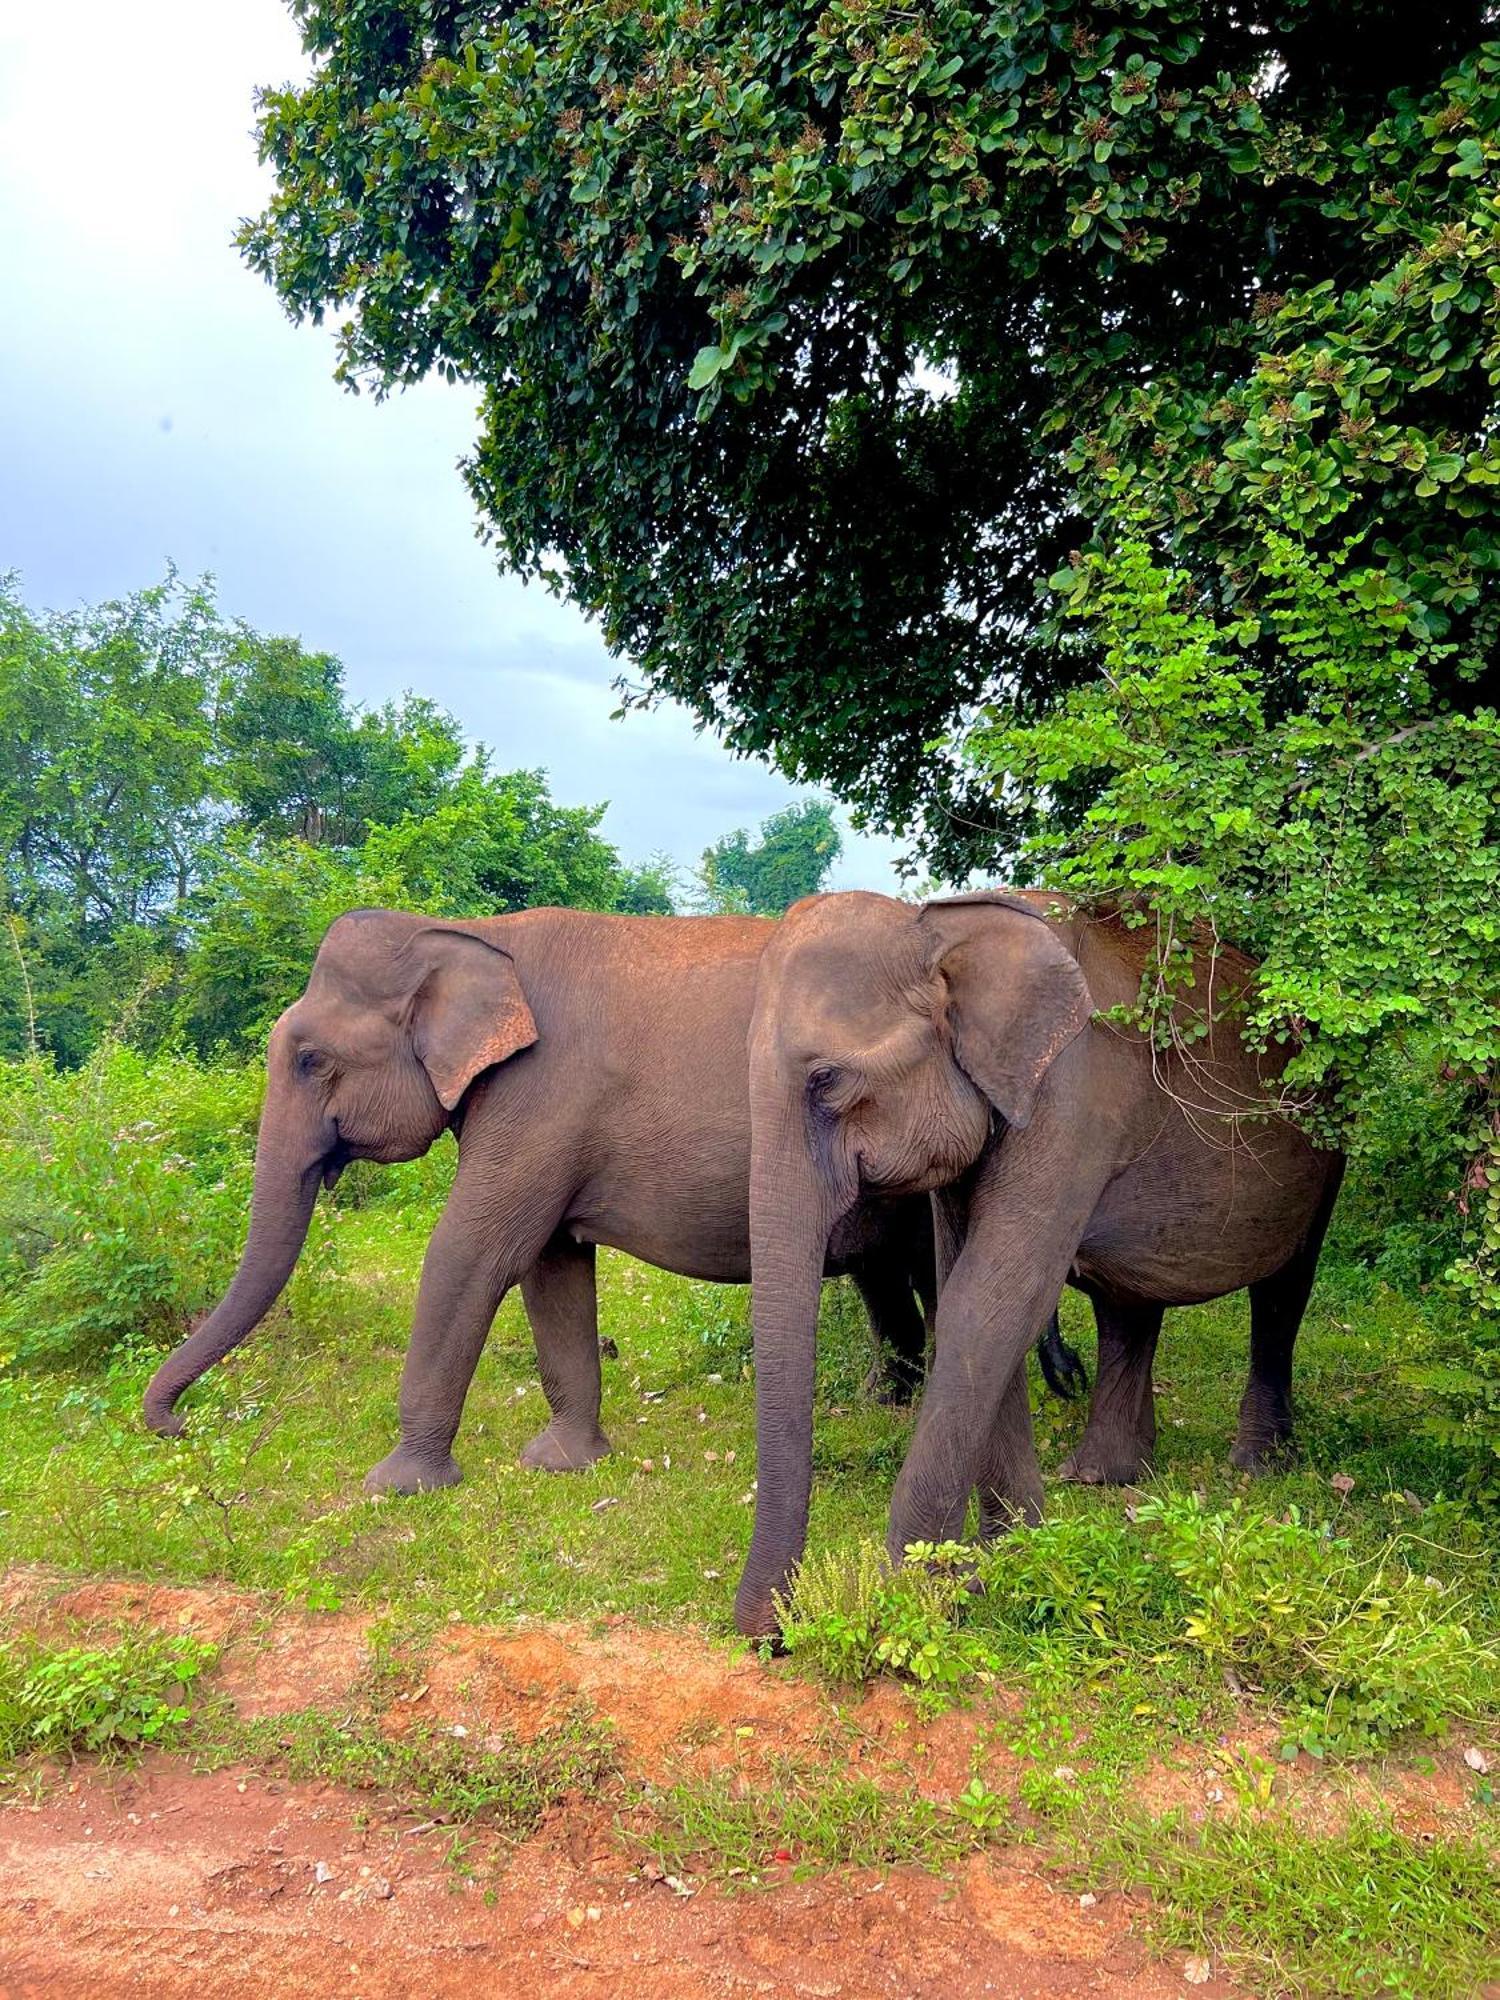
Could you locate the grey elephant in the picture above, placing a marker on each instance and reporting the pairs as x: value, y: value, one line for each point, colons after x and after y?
x: 594, y: 1069
x: 958, y: 1047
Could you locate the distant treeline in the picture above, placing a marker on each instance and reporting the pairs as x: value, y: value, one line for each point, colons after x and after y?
x: 185, y: 804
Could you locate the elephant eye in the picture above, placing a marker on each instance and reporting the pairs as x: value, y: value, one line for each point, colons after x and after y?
x: 822, y: 1079
x: 312, y: 1062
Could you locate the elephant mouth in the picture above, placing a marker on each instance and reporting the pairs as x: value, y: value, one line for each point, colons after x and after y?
x: 334, y: 1165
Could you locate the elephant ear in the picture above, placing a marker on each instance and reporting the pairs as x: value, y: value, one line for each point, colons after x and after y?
x: 1013, y: 994
x: 469, y: 1011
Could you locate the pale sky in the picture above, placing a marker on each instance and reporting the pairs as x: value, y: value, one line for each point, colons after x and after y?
x: 156, y: 405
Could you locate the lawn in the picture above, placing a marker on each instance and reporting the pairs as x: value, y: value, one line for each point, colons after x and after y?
x: 1346, y: 1604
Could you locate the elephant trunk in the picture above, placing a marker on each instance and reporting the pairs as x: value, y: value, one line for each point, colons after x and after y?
x: 790, y: 1218
x: 288, y: 1167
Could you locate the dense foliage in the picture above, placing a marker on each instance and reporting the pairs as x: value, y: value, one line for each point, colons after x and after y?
x: 810, y: 336
x: 185, y: 804
x: 124, y: 1187
x: 1350, y: 841
x: 791, y: 859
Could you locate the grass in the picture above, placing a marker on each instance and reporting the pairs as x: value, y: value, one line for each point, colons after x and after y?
x: 1356, y: 1911
x: 265, y: 1489
x: 504, y: 1783
x: 1350, y: 1614
x: 810, y: 1818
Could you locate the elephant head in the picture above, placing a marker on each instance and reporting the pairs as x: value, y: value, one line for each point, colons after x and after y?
x: 887, y: 1043
x: 401, y: 1013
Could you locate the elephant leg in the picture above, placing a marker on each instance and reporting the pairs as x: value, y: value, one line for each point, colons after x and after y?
x: 1277, y: 1305
x: 1006, y: 1465
x: 561, y: 1303
x: 1028, y: 1206
x: 1120, y: 1437
x: 465, y: 1275
x: 884, y: 1283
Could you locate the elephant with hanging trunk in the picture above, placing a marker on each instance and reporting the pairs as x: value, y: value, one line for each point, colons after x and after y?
x: 958, y: 1048
x: 594, y: 1070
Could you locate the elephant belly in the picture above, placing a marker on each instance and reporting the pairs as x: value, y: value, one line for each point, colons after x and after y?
x: 694, y: 1220
x: 1179, y: 1232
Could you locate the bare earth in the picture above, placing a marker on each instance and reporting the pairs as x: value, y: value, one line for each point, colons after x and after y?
x: 159, y: 1881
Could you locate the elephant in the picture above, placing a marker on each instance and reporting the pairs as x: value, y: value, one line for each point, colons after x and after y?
x: 594, y: 1070
x: 964, y: 1047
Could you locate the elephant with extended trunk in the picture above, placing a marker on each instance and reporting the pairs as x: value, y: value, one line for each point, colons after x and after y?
x: 960, y: 1047
x: 594, y: 1070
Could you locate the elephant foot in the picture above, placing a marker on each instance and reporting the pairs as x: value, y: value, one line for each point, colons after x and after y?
x: 556, y: 1450
x: 891, y: 1386
x: 407, y: 1471
x: 1262, y: 1454
x: 1099, y: 1465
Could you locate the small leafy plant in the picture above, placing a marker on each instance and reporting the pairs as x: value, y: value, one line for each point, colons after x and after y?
x: 58, y: 1702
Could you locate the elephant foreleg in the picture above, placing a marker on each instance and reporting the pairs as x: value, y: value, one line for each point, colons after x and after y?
x: 465, y: 1275
x: 561, y: 1303
x: 885, y: 1285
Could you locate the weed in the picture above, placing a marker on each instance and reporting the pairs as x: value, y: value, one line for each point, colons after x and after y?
x: 502, y: 1783
x: 1351, y: 1649
x: 854, y: 1617
x: 57, y: 1701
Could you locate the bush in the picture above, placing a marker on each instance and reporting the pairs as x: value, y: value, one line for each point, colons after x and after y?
x: 1349, y: 1650
x: 124, y: 1197
x: 855, y: 1618
x: 97, y: 1699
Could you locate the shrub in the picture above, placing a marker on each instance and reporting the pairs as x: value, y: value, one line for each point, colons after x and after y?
x: 852, y: 1618
x: 99, y: 1699
x: 1349, y: 1650
x: 124, y: 1195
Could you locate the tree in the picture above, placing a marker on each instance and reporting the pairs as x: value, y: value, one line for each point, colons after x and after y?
x: 649, y: 890
x: 796, y: 849
x: 185, y: 804
x: 498, y: 842
x: 1349, y: 840
x: 808, y: 338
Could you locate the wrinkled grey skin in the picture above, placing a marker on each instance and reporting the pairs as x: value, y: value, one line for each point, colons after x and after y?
x: 955, y: 1048
x: 594, y: 1069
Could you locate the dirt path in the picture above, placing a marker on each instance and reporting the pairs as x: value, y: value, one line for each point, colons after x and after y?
x: 162, y: 1882
x: 166, y: 1884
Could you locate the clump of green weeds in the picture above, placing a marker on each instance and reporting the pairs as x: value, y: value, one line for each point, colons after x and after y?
x: 1350, y: 1649
x: 853, y: 1616
x: 57, y: 1701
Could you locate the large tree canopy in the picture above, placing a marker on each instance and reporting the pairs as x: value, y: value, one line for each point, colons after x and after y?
x: 808, y: 333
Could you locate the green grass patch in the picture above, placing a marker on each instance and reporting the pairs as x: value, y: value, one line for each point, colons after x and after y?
x: 808, y: 1818
x: 1359, y: 1911
x: 502, y: 1782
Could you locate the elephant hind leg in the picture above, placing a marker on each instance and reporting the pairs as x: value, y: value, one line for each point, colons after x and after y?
x: 1120, y: 1438
x: 885, y: 1285
x: 562, y: 1304
x: 1277, y: 1306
